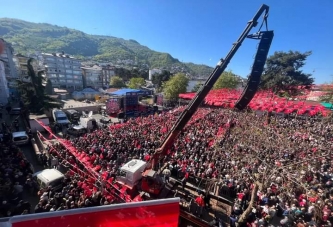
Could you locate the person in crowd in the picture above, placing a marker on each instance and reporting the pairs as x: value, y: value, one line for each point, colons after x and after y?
x: 290, y: 157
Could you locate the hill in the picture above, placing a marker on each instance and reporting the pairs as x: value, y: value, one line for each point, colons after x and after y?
x: 29, y: 37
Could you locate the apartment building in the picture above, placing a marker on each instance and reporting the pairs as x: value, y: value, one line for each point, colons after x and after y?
x: 97, y: 76
x: 4, y: 92
x: 63, y: 70
x: 108, y: 72
x: 10, y: 68
x: 21, y: 63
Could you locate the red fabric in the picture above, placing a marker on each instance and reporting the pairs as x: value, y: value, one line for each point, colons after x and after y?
x: 153, y: 216
x: 200, y: 201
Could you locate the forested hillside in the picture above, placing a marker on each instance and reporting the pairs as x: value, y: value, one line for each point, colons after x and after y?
x: 27, y: 37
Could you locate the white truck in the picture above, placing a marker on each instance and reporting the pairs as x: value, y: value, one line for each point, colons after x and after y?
x: 87, y: 122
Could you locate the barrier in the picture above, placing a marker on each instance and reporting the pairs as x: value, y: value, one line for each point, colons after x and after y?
x: 155, y: 213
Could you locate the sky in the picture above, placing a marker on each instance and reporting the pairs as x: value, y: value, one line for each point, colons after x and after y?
x: 195, y: 31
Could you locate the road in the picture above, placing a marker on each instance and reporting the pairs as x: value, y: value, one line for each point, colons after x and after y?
x: 29, y: 154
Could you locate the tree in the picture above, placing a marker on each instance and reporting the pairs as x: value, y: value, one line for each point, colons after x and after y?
x: 117, y: 82
x: 283, y: 71
x: 175, y: 86
x: 33, y: 93
x: 136, y: 82
x: 159, y: 78
x: 196, y: 87
x: 227, y: 80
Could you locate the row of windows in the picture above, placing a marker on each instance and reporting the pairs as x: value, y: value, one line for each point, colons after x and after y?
x: 64, y: 76
x: 67, y: 71
x: 63, y: 66
x: 62, y: 60
x: 63, y: 81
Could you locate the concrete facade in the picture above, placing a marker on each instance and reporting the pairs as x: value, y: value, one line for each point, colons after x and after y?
x: 97, y: 76
x: 21, y: 63
x: 63, y: 70
x: 4, y: 92
x: 10, y: 68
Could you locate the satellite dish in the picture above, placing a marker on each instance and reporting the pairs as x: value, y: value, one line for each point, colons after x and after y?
x: 90, y: 114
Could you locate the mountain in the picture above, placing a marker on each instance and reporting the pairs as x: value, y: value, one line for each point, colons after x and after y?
x: 29, y: 37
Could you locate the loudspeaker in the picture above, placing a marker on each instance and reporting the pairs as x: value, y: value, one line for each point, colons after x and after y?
x: 257, y: 69
x: 121, y: 115
x: 122, y: 102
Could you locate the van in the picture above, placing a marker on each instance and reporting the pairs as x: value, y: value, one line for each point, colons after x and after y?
x: 72, y: 115
x: 15, y: 111
x: 20, y: 138
x: 50, y: 178
x: 88, y: 122
x: 60, y: 117
x: 76, y: 130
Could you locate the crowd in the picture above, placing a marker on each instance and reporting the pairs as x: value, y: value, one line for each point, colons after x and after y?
x: 289, y: 158
x: 15, y: 177
x: 283, y: 164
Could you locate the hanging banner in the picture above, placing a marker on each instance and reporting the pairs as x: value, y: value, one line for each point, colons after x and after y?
x: 113, y: 105
x: 159, y: 100
x: 155, y: 213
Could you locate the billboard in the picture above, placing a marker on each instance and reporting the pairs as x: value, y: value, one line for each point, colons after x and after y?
x: 154, y: 213
x: 113, y: 105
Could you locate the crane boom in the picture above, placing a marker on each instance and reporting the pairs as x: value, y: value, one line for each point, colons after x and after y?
x: 204, y: 90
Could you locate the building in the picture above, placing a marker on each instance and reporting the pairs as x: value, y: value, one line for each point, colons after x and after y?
x: 10, y: 67
x: 152, y: 72
x: 97, y: 76
x: 4, y: 92
x: 108, y: 73
x: 63, y: 70
x: 21, y: 63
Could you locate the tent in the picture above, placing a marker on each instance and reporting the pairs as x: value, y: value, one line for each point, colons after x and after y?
x: 124, y: 91
x: 327, y: 105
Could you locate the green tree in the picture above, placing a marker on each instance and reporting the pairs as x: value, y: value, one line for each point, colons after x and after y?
x: 116, y: 82
x: 33, y: 94
x: 159, y: 78
x: 227, y: 80
x: 175, y: 86
x: 136, y: 82
x: 283, y: 71
x: 196, y: 87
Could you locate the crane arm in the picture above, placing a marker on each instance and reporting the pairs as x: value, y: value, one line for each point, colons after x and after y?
x: 204, y: 90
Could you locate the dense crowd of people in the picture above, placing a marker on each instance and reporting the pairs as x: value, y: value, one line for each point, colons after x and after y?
x: 283, y: 164
x: 15, y: 177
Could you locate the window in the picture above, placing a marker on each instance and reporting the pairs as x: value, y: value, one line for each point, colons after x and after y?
x: 70, y: 81
x: 20, y: 138
x: 61, y: 76
x: 62, y: 81
x: 69, y: 76
x: 77, y: 77
x: 52, y: 75
x: 69, y: 71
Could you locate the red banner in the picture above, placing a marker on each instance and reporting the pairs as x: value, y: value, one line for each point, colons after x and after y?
x: 155, y: 213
